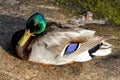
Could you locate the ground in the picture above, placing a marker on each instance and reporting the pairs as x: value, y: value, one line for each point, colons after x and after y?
x: 13, y: 16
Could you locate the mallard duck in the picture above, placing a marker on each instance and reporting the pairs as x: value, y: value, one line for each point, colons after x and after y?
x: 47, y: 43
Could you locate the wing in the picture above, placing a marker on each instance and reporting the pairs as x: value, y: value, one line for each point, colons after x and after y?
x: 93, y: 47
x: 56, y: 41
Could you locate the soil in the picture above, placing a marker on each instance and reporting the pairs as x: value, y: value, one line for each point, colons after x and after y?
x: 13, y: 16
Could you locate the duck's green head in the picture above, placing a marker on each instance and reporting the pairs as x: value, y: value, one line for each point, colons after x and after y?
x: 35, y: 25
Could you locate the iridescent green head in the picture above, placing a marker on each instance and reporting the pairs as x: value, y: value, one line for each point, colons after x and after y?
x: 35, y: 25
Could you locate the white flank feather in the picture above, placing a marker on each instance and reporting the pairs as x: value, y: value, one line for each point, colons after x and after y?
x: 83, y: 57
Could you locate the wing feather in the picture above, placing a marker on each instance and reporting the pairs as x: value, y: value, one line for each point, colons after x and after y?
x: 88, y: 45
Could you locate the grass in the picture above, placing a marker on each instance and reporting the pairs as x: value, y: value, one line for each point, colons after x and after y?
x: 103, y: 8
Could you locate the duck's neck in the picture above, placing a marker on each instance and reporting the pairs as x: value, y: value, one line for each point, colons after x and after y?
x: 23, y: 51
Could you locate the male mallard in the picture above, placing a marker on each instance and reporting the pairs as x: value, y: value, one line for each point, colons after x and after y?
x: 50, y: 44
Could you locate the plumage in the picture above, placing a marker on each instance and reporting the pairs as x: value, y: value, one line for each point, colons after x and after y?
x: 48, y: 43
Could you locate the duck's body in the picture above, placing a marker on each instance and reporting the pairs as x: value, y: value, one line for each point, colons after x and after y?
x: 58, y: 46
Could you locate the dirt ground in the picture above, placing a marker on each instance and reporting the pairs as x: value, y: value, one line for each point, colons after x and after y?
x: 13, y: 15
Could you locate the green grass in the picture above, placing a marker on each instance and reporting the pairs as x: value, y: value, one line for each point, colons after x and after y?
x: 103, y: 8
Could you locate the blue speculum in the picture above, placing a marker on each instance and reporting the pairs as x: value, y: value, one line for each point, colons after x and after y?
x: 71, y: 48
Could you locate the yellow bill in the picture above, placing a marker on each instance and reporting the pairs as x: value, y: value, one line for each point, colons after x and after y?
x: 24, y: 38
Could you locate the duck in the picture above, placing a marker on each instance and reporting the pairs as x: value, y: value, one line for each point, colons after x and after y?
x: 47, y: 43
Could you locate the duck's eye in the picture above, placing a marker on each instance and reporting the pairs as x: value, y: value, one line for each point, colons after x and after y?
x: 36, y: 29
x: 71, y: 48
